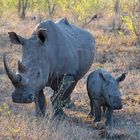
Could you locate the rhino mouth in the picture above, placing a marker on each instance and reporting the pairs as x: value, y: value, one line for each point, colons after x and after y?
x: 117, y: 106
x: 21, y: 94
x: 21, y: 101
x: 23, y: 97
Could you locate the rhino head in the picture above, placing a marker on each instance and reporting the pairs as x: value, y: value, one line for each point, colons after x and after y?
x: 33, y: 71
x: 111, y: 90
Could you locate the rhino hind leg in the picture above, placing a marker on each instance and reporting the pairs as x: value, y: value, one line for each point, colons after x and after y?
x: 104, y: 110
x: 91, y: 114
x: 40, y: 104
x: 58, y: 102
x: 68, y: 103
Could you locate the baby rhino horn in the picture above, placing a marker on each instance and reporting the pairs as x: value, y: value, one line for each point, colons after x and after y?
x: 21, y: 67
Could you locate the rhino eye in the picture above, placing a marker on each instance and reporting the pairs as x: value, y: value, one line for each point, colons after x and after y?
x: 109, y: 96
x: 38, y: 74
x: 19, y: 78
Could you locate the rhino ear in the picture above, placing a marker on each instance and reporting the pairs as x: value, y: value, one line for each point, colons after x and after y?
x: 16, y: 39
x: 42, y: 35
x: 121, y: 78
x: 103, y: 76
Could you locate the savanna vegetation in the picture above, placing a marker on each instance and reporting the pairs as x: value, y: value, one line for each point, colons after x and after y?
x: 115, y: 25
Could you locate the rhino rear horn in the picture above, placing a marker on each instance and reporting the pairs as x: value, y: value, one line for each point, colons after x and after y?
x: 41, y: 34
x: 13, y: 77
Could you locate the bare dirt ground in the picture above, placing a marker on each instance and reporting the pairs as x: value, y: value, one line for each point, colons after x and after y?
x: 116, y: 53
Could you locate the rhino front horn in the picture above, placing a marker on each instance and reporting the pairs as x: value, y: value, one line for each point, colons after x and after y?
x: 13, y: 77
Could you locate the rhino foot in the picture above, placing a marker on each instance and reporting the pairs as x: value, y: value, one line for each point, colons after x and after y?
x: 109, y: 118
x: 109, y: 123
x: 91, y: 115
x: 69, y: 104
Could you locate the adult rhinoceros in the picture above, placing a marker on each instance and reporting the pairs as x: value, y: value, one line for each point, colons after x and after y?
x: 57, y: 55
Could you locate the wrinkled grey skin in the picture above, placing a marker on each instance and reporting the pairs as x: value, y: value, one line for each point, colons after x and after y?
x: 54, y: 49
x: 103, y: 91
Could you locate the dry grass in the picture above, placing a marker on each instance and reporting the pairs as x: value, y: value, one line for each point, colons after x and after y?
x: 115, y: 53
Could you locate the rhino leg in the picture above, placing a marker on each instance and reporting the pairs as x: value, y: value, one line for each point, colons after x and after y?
x: 104, y: 110
x: 68, y: 103
x: 98, y: 111
x: 91, y: 114
x: 109, y: 118
x: 60, y: 98
x: 40, y: 104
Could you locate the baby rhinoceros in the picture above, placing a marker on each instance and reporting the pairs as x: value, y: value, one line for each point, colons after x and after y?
x: 103, y: 91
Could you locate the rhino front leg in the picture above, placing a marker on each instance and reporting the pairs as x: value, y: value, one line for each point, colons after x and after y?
x: 109, y: 118
x: 62, y: 96
x: 40, y: 104
x: 98, y: 111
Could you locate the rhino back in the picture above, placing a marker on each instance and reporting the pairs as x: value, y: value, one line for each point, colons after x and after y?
x: 71, y: 49
x: 83, y: 43
x: 95, y: 82
x: 80, y: 37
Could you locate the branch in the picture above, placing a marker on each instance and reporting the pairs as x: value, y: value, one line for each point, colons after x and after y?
x: 94, y: 17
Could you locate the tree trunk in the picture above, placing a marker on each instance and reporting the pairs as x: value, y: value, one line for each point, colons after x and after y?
x: 24, y: 7
x: 138, y: 41
x: 32, y: 8
x: 19, y: 7
x: 39, y: 14
x: 51, y: 8
x: 116, y: 7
